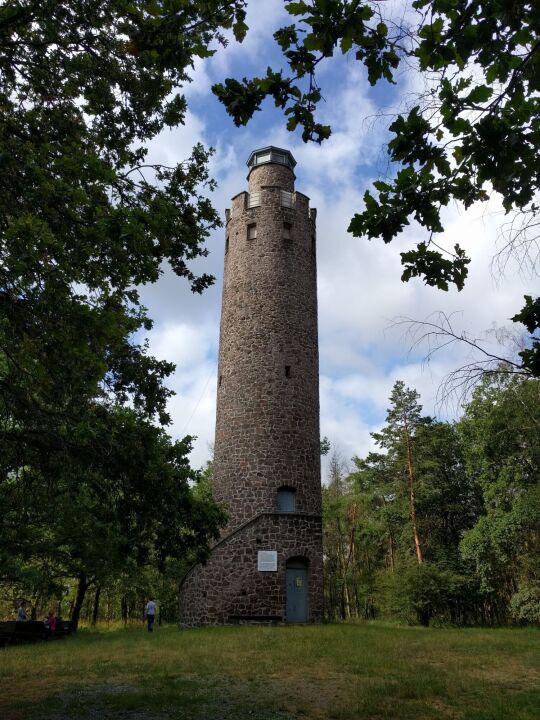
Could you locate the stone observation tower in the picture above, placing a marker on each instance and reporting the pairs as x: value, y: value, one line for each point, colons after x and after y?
x: 267, y: 566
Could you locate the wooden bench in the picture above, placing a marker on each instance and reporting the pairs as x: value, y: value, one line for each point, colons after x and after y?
x: 14, y: 633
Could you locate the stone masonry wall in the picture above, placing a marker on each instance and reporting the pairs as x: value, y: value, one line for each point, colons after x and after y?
x: 271, y: 175
x: 229, y: 588
x: 267, y: 428
x: 267, y: 425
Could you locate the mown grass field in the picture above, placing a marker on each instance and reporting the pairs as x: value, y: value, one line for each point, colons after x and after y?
x: 365, y: 672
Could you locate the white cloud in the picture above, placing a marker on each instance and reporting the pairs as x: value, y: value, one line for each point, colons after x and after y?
x: 192, y: 347
x: 341, y: 423
x: 186, y: 345
x: 263, y: 18
x: 359, y: 287
x: 174, y: 145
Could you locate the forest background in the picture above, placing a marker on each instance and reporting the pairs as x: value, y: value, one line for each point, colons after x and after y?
x: 439, y: 520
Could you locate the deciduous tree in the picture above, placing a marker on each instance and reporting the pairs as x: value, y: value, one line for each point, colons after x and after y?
x: 86, y: 217
x: 500, y: 435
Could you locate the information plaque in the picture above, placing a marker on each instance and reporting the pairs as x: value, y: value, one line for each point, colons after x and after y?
x: 267, y: 560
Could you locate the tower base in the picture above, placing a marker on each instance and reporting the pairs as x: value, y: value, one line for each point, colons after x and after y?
x: 231, y: 587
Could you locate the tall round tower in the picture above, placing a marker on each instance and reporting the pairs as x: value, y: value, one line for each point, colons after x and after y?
x: 267, y: 566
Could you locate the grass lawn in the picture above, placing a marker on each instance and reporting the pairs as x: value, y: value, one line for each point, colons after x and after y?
x: 346, y: 672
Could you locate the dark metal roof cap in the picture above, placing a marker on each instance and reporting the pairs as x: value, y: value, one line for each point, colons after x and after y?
x: 271, y: 154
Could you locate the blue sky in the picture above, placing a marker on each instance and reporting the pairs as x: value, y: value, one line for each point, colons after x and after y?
x: 359, y: 287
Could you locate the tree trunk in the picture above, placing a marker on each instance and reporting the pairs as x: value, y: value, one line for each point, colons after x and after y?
x: 124, y: 609
x: 345, y: 599
x: 95, y: 612
x: 36, y: 602
x: 331, y: 579
x: 109, y: 608
x: 357, y: 600
x: 412, y: 497
x: 87, y: 606
x: 82, y: 587
x: 391, y: 552
x: 391, y: 546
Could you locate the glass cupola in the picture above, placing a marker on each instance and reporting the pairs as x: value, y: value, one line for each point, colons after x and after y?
x: 271, y: 154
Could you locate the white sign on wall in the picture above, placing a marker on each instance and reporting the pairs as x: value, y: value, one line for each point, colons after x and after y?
x: 267, y: 560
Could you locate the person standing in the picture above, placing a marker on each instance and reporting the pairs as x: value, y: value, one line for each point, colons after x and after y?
x: 50, y: 624
x: 21, y: 613
x: 150, y: 614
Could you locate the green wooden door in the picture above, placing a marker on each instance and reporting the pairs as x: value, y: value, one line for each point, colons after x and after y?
x: 297, y: 592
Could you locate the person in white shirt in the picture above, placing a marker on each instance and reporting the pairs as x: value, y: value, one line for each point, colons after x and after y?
x: 150, y: 614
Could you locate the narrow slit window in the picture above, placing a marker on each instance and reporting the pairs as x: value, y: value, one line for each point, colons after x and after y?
x: 287, y: 371
x: 252, y: 231
x: 220, y: 380
x: 226, y: 244
x: 313, y: 245
x: 286, y: 231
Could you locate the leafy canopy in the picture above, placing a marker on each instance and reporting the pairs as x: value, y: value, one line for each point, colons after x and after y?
x: 85, y: 217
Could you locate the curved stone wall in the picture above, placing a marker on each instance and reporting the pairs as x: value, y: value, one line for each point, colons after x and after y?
x: 267, y: 429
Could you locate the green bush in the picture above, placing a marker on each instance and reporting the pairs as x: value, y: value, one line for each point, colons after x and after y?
x: 426, y: 594
x: 525, y: 604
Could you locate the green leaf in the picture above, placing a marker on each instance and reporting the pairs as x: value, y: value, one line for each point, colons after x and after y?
x: 312, y: 42
x: 529, y: 314
x: 479, y: 94
x: 346, y: 43
x: 297, y: 8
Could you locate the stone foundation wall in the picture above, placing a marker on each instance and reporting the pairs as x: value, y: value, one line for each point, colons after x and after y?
x: 230, y: 588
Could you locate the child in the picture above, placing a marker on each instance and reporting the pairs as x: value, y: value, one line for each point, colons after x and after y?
x: 50, y: 624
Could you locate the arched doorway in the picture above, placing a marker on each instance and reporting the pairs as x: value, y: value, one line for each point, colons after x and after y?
x: 297, y: 590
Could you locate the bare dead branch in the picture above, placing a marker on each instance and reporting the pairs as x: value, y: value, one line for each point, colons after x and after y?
x: 438, y: 333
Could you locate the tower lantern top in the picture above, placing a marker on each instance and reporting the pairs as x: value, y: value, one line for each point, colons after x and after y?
x: 271, y: 154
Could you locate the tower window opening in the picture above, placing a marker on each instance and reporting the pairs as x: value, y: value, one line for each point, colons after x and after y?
x: 226, y: 244
x: 267, y: 157
x: 254, y: 199
x: 287, y: 371
x: 286, y: 499
x: 286, y: 199
x: 286, y: 231
x: 220, y: 380
x: 313, y: 245
x: 252, y: 231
